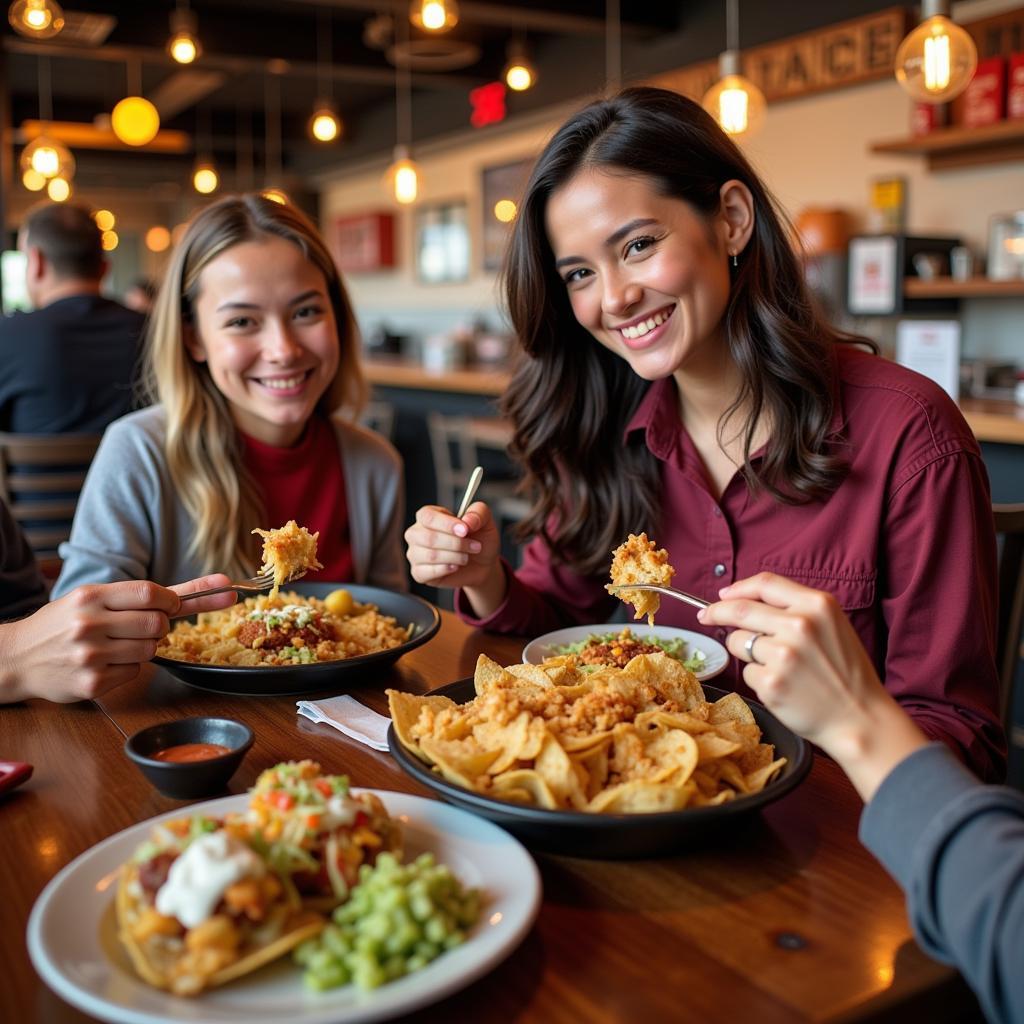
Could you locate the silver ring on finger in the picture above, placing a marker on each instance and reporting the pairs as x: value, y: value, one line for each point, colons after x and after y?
x: 749, y: 648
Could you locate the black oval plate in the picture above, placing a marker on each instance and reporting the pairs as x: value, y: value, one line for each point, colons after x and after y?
x: 580, y: 834
x: 292, y: 680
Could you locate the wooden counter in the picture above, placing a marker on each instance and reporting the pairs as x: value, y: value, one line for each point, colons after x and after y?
x: 990, y: 419
x: 402, y: 373
x: 994, y: 420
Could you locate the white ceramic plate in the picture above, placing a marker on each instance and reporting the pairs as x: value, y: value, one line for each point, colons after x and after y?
x: 73, y: 944
x: 717, y: 657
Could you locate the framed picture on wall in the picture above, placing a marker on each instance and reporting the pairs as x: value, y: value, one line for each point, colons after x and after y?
x: 501, y: 188
x: 363, y: 243
x: 442, y: 243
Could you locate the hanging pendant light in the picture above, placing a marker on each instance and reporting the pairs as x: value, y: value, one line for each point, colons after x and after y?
x: 36, y: 19
x: 134, y: 120
x: 936, y: 61
x: 44, y: 157
x: 205, y: 179
x: 324, y: 123
x: 434, y: 15
x: 58, y: 189
x: 734, y: 101
x: 519, y: 73
x: 184, y: 45
x: 403, y: 175
x: 273, y: 172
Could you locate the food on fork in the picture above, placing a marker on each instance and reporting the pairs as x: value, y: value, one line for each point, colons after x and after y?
x: 317, y: 832
x: 198, y: 905
x: 639, y: 560
x: 288, y: 552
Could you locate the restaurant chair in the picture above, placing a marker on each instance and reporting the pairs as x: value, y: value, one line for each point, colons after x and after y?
x: 41, y: 476
x: 1009, y: 524
x: 458, y: 443
x: 379, y: 417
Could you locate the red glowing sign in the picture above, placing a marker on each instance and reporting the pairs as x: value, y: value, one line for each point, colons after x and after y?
x: 488, y: 103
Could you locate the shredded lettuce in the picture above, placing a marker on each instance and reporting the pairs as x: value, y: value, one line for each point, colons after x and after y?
x: 674, y: 647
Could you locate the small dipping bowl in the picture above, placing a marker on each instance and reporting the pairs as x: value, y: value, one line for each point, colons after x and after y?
x: 187, y: 780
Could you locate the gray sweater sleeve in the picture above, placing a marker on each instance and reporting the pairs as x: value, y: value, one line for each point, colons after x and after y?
x: 956, y: 847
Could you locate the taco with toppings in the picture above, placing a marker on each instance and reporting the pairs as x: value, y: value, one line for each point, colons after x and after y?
x: 199, y: 905
x: 318, y: 833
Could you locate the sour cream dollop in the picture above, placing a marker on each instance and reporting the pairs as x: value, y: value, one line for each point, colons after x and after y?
x: 198, y: 878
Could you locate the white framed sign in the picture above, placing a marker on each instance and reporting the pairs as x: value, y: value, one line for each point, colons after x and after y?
x: 932, y: 347
x: 874, y: 275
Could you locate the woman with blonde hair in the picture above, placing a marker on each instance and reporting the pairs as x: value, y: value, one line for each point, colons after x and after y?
x: 253, y: 368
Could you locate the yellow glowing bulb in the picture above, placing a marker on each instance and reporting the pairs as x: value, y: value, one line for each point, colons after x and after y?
x: 205, y: 180
x: 275, y: 195
x: 109, y: 241
x: 46, y: 161
x: 406, y: 182
x: 324, y: 126
x: 434, y: 15
x: 505, y: 210
x: 135, y: 121
x: 518, y: 77
x: 105, y: 220
x: 58, y: 189
x: 158, y: 238
x: 183, y: 48
x: 936, y: 61
x: 33, y: 180
x: 735, y: 103
x: 38, y: 18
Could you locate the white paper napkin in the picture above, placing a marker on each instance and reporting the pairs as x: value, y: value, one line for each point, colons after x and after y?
x: 347, y: 715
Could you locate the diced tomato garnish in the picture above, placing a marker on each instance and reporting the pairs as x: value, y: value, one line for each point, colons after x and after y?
x: 323, y: 786
x: 283, y: 801
x: 362, y: 818
x: 312, y: 821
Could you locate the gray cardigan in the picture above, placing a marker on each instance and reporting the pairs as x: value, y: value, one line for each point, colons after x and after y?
x: 130, y: 523
x: 957, y: 849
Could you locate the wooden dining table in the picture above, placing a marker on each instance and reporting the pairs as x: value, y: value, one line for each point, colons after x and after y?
x: 787, y: 918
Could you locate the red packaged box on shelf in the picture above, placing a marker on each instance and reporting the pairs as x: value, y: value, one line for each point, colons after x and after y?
x: 926, y: 117
x: 1015, y: 88
x: 984, y: 99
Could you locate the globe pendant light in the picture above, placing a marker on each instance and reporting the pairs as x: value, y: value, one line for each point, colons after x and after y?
x: 519, y: 73
x: 324, y: 123
x: 434, y: 15
x: 44, y: 158
x: 36, y: 19
x: 936, y: 61
x: 134, y: 119
x: 183, y: 46
x: 734, y: 101
x: 403, y: 174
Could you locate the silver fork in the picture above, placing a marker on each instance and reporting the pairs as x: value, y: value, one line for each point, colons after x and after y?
x: 254, y: 585
x: 679, y: 595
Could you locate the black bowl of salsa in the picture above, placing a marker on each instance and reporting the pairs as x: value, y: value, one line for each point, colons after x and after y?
x: 190, y: 757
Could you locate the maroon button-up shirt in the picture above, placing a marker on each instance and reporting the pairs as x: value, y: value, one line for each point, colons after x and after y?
x: 906, y: 545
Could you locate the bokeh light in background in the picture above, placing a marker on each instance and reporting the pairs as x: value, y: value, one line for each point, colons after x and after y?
x: 58, y: 190
x: 505, y: 210
x: 135, y: 121
x: 109, y: 241
x: 158, y: 238
x: 105, y: 220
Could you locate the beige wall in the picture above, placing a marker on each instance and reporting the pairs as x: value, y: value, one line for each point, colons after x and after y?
x: 812, y: 152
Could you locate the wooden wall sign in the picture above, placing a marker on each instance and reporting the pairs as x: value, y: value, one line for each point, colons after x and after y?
x: 853, y: 51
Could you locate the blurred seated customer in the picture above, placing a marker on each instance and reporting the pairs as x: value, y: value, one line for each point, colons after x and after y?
x: 94, y: 639
x: 69, y: 365
x: 954, y: 845
x: 141, y: 295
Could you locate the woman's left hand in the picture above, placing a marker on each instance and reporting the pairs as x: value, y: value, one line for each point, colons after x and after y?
x: 808, y: 666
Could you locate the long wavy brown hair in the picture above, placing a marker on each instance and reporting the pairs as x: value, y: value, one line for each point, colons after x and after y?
x: 204, y: 449
x: 570, y: 399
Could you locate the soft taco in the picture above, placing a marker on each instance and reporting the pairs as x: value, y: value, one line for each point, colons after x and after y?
x: 318, y: 833
x: 198, y: 905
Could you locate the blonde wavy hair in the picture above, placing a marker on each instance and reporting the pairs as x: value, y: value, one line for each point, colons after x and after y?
x: 203, y: 446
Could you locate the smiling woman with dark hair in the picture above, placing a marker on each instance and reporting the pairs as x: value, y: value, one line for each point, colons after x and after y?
x: 676, y: 378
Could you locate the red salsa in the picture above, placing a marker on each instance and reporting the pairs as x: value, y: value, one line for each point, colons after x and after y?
x: 190, y: 752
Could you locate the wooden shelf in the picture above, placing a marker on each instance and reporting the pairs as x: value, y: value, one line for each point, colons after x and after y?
x: 948, y: 148
x: 994, y: 420
x: 951, y: 288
